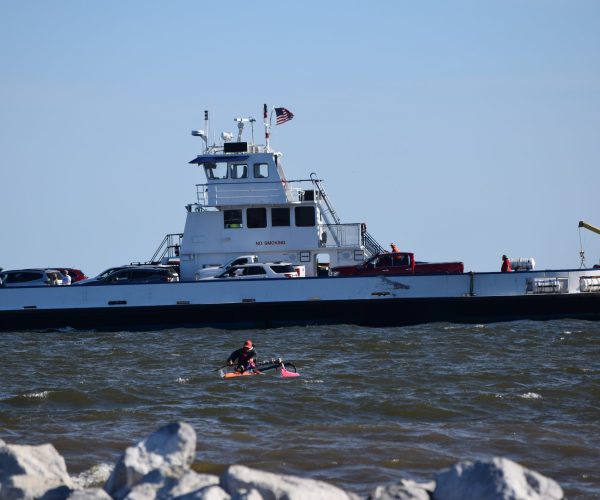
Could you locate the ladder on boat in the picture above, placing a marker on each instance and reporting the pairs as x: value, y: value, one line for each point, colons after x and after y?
x: 330, y: 210
x: 372, y: 246
x: 169, y: 247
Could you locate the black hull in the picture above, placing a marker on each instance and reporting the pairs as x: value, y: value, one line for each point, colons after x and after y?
x: 377, y: 313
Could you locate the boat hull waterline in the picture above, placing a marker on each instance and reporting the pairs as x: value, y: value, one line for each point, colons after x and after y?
x: 373, y: 301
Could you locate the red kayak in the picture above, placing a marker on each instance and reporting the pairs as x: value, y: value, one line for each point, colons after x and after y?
x: 274, y: 364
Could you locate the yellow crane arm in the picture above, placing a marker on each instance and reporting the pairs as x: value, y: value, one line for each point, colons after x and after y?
x: 589, y: 226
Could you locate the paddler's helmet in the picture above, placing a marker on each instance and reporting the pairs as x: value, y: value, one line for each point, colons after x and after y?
x: 248, y: 344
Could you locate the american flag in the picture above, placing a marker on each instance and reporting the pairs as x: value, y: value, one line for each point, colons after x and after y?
x: 283, y: 115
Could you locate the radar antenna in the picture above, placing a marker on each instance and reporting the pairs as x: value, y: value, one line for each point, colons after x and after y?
x: 241, y: 122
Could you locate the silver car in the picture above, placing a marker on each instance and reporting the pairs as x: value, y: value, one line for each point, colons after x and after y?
x: 257, y: 270
x: 31, y: 277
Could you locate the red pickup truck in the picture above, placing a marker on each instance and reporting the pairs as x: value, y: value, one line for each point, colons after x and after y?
x: 397, y: 263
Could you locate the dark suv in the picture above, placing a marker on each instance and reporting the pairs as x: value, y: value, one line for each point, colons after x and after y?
x: 138, y: 274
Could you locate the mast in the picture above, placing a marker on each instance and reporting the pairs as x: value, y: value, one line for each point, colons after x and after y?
x: 267, y: 128
x: 206, y: 131
x: 203, y: 134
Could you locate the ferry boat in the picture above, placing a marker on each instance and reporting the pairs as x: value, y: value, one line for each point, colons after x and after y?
x: 247, y: 206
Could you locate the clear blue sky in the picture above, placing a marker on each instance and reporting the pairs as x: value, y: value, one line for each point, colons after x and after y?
x: 460, y: 130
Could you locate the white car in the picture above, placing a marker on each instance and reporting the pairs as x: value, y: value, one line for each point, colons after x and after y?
x: 31, y: 277
x: 212, y: 271
x: 257, y: 270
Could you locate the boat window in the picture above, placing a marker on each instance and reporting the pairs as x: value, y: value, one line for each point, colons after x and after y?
x: 216, y: 170
x: 256, y: 217
x: 232, y: 219
x: 238, y: 171
x: 280, y: 217
x: 305, y: 216
x: 261, y: 170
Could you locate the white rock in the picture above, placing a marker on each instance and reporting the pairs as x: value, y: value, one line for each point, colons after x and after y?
x: 274, y: 486
x: 155, y: 485
x: 192, y: 481
x: 496, y: 479
x: 169, y: 450
x: 89, y: 494
x: 95, y: 476
x: 405, y: 490
x: 208, y: 493
x: 244, y: 494
x: 32, y: 471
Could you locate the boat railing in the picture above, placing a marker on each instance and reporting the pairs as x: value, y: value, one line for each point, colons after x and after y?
x: 371, y: 245
x: 169, y: 247
x: 340, y: 235
x: 248, y: 192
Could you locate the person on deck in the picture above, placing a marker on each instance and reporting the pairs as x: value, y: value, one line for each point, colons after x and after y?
x: 245, y: 357
x: 505, y: 265
x: 395, y: 249
x: 66, y: 278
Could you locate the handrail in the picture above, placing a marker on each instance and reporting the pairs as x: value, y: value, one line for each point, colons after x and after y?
x: 169, y: 246
x: 317, y: 182
x: 372, y: 246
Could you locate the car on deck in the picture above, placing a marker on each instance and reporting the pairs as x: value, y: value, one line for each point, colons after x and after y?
x: 393, y: 263
x: 134, y: 274
x: 30, y: 277
x: 212, y: 270
x: 258, y: 270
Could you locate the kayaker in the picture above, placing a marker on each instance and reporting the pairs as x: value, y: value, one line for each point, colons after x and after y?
x: 245, y: 357
x: 505, y: 265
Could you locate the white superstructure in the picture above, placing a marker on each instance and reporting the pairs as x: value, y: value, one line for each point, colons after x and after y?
x: 248, y: 206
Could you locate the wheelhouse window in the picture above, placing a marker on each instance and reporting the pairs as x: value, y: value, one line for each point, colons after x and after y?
x: 256, y: 217
x: 216, y: 170
x: 305, y: 216
x: 280, y: 217
x: 238, y: 171
x: 232, y: 219
x: 261, y: 170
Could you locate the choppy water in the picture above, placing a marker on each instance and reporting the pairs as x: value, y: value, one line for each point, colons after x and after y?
x: 372, y: 405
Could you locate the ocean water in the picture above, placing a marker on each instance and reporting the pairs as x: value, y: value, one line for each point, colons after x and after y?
x: 372, y: 405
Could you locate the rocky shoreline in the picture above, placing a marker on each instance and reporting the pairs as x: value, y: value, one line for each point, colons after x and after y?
x: 159, y: 467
